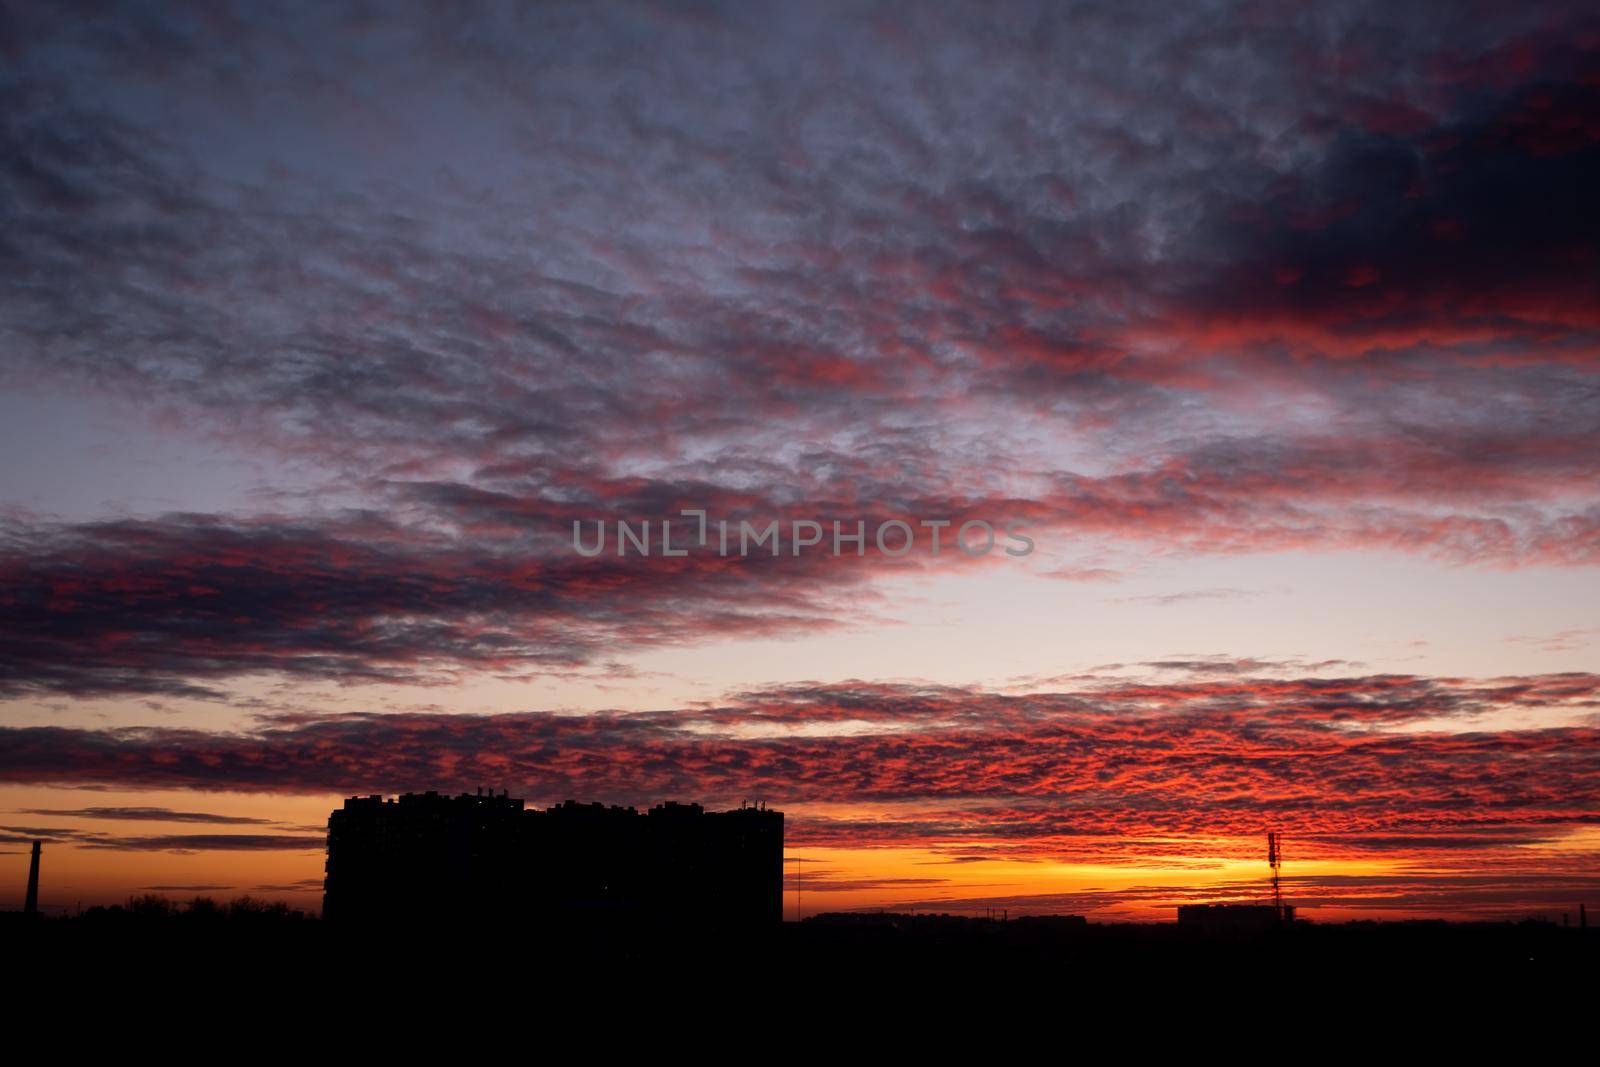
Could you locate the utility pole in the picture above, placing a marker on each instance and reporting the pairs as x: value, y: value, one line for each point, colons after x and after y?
x: 32, y: 905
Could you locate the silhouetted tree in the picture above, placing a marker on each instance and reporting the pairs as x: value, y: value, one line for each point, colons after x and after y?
x: 203, y: 908
x: 150, y: 906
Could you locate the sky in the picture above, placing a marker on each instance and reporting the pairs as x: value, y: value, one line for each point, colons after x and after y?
x: 1274, y: 330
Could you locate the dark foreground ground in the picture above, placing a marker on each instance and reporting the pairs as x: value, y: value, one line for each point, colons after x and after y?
x: 221, y: 990
x: 860, y: 951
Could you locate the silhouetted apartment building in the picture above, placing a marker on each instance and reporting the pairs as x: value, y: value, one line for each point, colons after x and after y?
x: 426, y: 855
x: 1233, y: 917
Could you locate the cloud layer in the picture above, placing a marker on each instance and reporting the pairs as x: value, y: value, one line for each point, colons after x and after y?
x: 1214, y: 281
x: 1349, y: 766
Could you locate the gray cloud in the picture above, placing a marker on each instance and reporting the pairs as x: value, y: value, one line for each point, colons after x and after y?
x: 1209, y: 279
x: 147, y: 815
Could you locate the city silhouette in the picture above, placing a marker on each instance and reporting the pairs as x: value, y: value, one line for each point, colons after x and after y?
x: 437, y: 877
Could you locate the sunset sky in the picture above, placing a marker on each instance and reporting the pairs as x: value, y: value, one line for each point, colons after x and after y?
x: 1277, y: 332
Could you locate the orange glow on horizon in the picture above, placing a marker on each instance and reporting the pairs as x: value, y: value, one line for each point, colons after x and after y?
x: 1144, y: 882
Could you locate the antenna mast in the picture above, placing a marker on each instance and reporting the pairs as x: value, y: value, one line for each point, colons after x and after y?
x: 1275, y: 861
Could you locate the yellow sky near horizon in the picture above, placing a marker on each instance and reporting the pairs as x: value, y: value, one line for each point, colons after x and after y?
x: 944, y: 877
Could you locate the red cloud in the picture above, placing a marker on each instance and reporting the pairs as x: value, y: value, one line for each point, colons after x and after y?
x: 1321, y: 758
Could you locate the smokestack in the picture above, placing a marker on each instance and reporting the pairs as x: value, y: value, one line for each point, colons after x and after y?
x: 32, y: 906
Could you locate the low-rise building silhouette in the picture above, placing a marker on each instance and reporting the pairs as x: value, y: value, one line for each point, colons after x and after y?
x: 1226, y: 918
x: 487, y: 856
